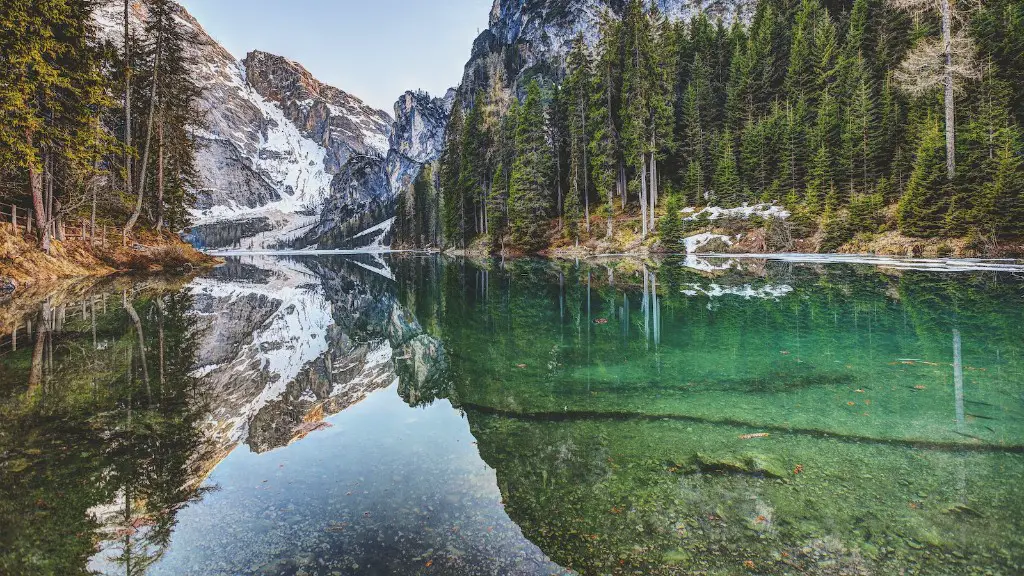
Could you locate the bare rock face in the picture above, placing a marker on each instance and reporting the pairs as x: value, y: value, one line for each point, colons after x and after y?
x: 420, y: 122
x: 274, y: 140
x: 418, y: 136
x: 334, y: 119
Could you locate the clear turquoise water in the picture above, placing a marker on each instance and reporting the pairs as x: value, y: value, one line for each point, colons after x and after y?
x: 413, y: 414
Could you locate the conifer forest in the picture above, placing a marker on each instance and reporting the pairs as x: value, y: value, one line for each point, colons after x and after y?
x: 877, y: 116
x: 98, y: 130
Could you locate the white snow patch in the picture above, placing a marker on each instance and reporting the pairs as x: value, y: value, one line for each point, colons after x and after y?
x: 694, y: 243
x: 384, y: 226
x: 743, y: 212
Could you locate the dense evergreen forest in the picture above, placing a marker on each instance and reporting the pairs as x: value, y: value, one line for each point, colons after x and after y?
x: 861, y: 118
x: 96, y: 130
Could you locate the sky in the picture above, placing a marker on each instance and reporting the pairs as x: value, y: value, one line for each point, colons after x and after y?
x: 372, y: 49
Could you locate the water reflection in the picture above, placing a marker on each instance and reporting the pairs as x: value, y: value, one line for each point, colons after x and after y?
x: 411, y: 414
x: 99, y: 441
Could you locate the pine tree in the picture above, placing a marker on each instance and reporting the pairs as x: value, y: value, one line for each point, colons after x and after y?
x: 859, y: 132
x: 1002, y: 198
x: 452, y: 224
x: 793, y: 148
x: 530, y: 203
x: 473, y: 172
x: 670, y: 227
x: 922, y: 208
x: 604, y: 143
x: 726, y: 185
x: 638, y: 95
x: 694, y: 186
x: 174, y: 176
x: 52, y: 95
x: 497, y: 208
x: 578, y: 84
x: 819, y: 181
x: 801, y: 78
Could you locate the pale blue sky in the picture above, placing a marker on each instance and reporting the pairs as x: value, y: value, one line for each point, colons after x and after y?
x: 372, y: 49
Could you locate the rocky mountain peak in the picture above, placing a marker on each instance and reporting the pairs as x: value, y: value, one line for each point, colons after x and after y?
x: 420, y: 122
x: 338, y: 121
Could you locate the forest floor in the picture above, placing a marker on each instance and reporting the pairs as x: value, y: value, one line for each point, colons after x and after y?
x: 737, y: 236
x: 23, y: 263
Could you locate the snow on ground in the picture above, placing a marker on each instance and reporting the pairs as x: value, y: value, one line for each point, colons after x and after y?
x: 291, y: 162
x: 743, y: 212
x: 694, y: 243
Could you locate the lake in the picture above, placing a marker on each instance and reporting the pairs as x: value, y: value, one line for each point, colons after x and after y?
x: 415, y: 414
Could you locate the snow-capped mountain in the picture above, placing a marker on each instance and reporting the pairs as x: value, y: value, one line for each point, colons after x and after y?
x: 285, y: 161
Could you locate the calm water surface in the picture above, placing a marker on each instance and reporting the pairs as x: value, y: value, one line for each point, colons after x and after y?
x: 417, y: 415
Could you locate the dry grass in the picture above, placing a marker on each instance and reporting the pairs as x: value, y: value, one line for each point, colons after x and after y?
x: 22, y: 261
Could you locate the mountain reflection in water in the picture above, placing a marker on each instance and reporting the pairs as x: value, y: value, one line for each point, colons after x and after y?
x: 406, y: 414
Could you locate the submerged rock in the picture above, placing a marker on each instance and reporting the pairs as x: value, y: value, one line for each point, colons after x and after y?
x: 751, y: 463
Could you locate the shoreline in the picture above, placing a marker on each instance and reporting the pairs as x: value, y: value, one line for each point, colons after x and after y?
x: 25, y: 267
x: 867, y: 259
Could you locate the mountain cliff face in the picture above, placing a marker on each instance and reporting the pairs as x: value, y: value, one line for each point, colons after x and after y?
x: 336, y: 120
x: 361, y: 208
x: 526, y: 38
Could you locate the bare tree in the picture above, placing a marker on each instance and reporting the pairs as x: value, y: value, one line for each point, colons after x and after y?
x: 939, y: 62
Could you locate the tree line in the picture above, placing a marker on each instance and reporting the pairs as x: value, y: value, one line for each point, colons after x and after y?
x: 95, y: 128
x: 859, y: 117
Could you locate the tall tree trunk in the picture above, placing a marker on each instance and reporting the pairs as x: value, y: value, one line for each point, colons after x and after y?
x: 654, y: 191
x: 128, y: 180
x: 160, y: 175
x: 623, y: 184
x: 48, y: 185
x: 947, y: 44
x: 35, y: 180
x: 58, y: 216
x: 149, y: 136
x: 643, y: 194
x: 558, y: 176
x: 611, y: 210
x: 586, y: 169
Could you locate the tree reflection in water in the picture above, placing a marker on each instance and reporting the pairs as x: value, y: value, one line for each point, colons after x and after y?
x: 102, y: 443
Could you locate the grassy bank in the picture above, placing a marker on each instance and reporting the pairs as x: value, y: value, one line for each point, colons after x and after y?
x: 23, y: 263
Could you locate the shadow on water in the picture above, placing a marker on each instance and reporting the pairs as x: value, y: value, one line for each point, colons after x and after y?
x: 400, y: 414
